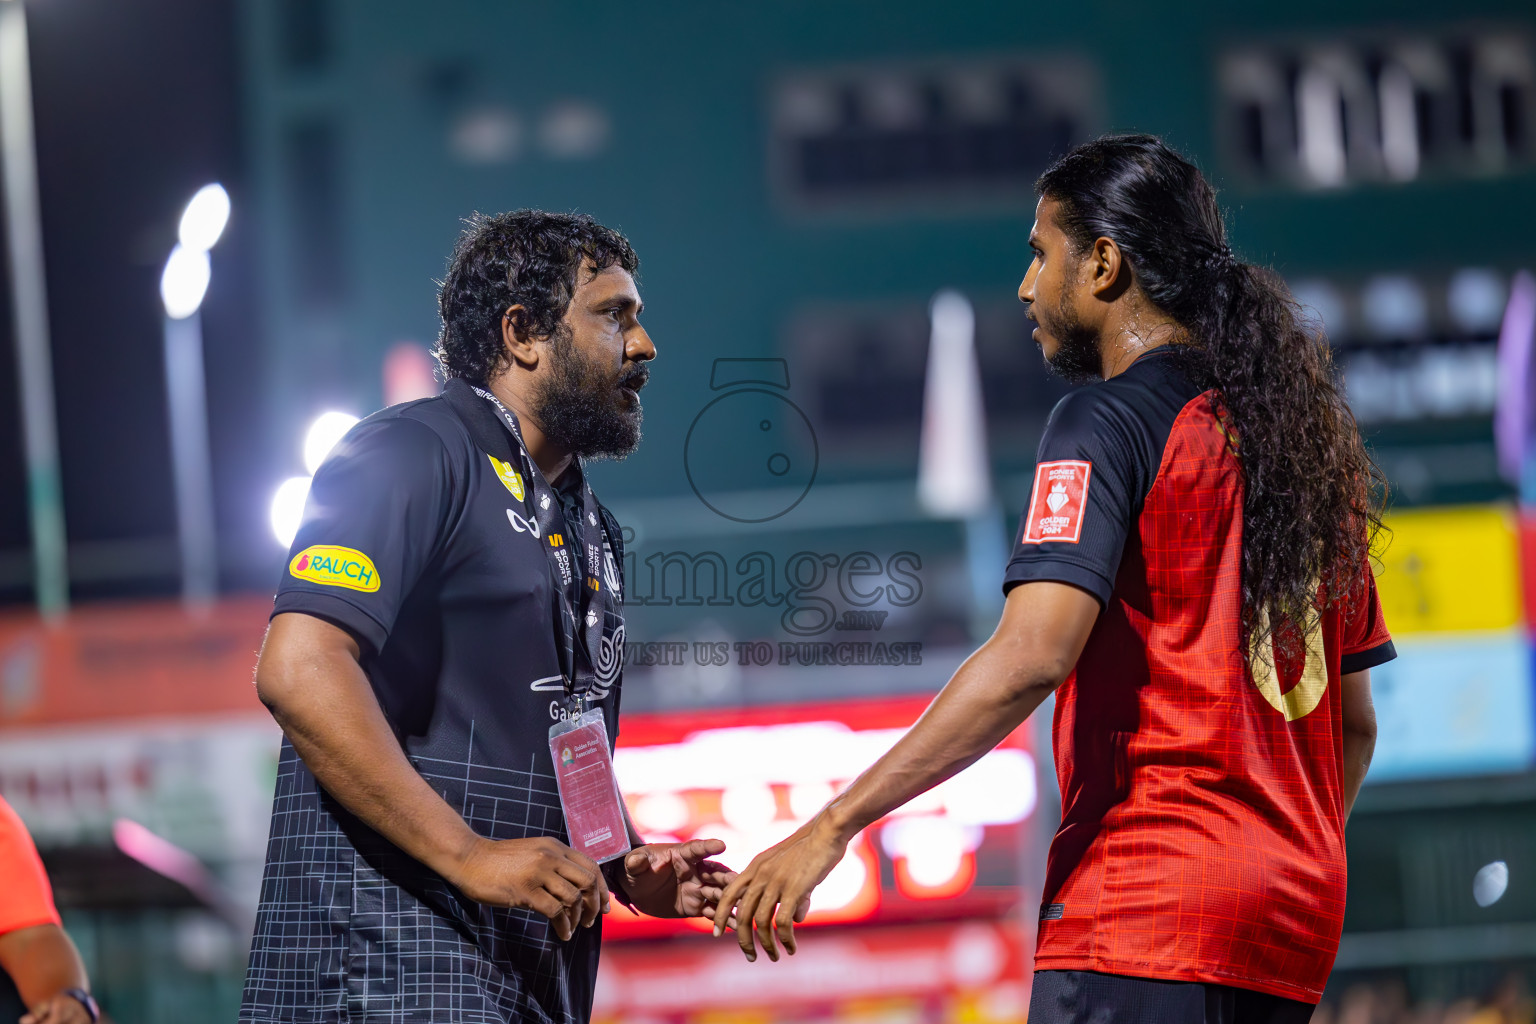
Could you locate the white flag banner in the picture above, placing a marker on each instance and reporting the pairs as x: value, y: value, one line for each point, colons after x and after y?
x: 954, y: 479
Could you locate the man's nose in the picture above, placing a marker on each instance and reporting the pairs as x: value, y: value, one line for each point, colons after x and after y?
x: 638, y: 346
x: 1027, y: 286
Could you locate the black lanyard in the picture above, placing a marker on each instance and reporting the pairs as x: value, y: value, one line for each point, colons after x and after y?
x: 588, y: 665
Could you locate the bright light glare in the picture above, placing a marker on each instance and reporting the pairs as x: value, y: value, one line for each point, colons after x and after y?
x: 1475, y: 299
x: 807, y: 798
x: 288, y: 508
x: 999, y: 789
x: 184, y: 282
x: 933, y: 847
x: 748, y: 808
x: 661, y: 812
x: 1490, y: 882
x: 328, y: 428
x: 977, y: 956
x: 1320, y: 126
x: 844, y: 885
x: 934, y: 850
x: 203, y: 221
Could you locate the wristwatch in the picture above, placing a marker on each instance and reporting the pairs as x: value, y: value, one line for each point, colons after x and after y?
x: 83, y: 997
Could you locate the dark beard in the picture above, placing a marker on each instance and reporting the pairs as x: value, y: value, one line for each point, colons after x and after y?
x: 579, y: 407
x: 1077, y: 359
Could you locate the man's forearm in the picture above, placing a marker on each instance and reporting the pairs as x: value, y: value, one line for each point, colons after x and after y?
x: 1044, y: 627
x: 358, y: 760
x: 42, y: 961
x: 1358, y: 750
x: 1359, y: 719
x: 328, y: 710
x: 986, y: 699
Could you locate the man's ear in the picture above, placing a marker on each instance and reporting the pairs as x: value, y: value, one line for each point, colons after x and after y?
x: 1108, y: 273
x: 517, y: 342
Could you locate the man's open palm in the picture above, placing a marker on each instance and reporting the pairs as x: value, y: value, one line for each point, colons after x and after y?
x: 676, y: 879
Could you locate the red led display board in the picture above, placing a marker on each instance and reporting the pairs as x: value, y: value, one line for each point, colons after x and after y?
x: 752, y: 776
x: 974, y: 971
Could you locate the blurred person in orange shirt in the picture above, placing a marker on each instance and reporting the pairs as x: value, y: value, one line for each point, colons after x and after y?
x: 39, y: 966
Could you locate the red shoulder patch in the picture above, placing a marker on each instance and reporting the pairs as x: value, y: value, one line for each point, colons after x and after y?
x: 1057, y: 504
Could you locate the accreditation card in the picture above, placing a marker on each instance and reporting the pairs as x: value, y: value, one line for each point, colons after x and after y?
x: 589, y: 792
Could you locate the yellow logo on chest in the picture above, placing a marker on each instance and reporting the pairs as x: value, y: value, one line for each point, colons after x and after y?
x: 510, y: 477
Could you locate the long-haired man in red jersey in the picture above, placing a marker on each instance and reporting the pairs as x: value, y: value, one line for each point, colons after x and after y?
x: 1192, y: 580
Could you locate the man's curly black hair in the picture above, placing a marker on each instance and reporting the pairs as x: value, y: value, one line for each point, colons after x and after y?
x: 526, y: 256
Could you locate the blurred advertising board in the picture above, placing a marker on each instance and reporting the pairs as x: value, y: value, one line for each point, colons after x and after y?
x: 1454, y: 704
x: 142, y: 711
x: 203, y: 783
x: 922, y: 921
x: 1458, y: 699
x: 140, y: 717
x: 974, y: 971
x: 140, y: 660
x: 1451, y: 569
x: 1528, y: 565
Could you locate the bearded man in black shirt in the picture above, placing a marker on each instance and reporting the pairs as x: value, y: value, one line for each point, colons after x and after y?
x: 455, y: 590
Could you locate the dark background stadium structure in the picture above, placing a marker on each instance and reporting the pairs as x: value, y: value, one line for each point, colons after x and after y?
x: 799, y: 180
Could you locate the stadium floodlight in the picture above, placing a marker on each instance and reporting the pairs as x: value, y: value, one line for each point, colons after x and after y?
x: 184, y: 281
x: 328, y: 428
x: 287, y: 510
x: 183, y: 285
x: 204, y: 218
x: 1490, y: 883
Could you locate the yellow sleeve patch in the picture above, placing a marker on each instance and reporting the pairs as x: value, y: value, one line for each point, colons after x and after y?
x: 334, y: 566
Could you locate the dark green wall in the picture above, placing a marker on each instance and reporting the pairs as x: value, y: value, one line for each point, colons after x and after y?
x: 725, y: 263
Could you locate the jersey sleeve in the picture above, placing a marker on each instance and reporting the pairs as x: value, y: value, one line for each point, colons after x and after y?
x: 1366, y: 642
x: 26, y: 898
x: 1090, y: 480
x: 375, y: 518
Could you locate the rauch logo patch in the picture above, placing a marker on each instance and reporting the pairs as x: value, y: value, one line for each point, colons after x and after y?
x: 335, y: 566
x: 1056, y: 507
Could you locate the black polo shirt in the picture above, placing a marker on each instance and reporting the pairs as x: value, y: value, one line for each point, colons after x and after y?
x: 411, y: 541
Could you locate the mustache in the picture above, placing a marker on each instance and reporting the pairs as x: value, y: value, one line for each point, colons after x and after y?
x: 636, y: 377
x: 1029, y: 312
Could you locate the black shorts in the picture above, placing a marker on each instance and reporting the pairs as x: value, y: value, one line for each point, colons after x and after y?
x: 1084, y: 997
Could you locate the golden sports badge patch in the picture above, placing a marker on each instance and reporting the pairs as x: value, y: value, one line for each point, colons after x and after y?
x: 1057, y: 506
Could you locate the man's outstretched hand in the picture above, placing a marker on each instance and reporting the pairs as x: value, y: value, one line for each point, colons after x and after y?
x: 676, y: 879
x: 774, y: 893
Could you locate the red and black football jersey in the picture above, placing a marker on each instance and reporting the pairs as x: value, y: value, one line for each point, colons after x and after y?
x: 1202, y: 833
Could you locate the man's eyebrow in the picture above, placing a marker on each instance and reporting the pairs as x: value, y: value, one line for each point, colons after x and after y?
x: 621, y: 302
